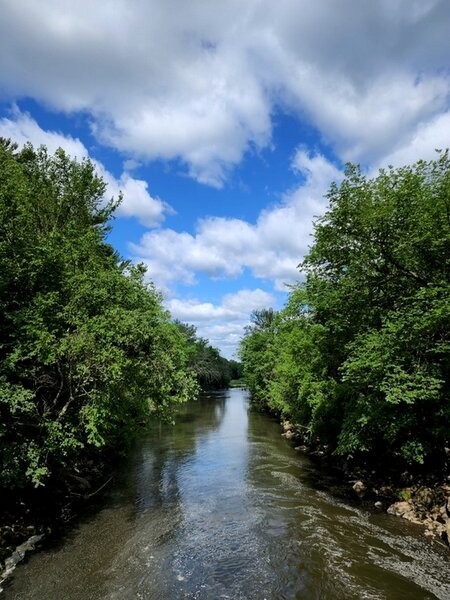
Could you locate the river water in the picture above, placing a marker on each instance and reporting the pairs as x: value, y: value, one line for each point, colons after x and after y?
x: 221, y: 506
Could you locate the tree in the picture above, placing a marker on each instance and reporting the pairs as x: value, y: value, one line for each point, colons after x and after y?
x: 212, y: 370
x: 360, y: 354
x: 256, y: 354
x: 86, y: 350
x: 378, y: 280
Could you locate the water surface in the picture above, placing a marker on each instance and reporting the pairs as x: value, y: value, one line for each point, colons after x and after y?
x: 221, y: 506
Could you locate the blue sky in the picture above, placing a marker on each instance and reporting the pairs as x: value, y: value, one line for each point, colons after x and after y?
x: 224, y: 123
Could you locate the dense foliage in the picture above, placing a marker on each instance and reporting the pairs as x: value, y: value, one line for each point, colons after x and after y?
x: 86, y: 350
x: 212, y: 370
x: 360, y: 355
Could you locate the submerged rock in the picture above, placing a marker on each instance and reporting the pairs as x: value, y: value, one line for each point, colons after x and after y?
x: 18, y: 555
x: 302, y: 448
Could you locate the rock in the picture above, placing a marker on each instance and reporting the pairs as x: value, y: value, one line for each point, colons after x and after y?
x: 302, y: 448
x: 424, y: 497
x: 319, y: 453
x: 400, y: 509
x: 30, y: 543
x: 19, y: 554
x: 288, y: 435
x: 287, y: 426
x: 386, y: 491
x: 12, y: 560
x: 378, y: 504
x: 411, y: 517
x: 359, y: 487
x: 445, y: 535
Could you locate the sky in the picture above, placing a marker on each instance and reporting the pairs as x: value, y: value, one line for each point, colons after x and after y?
x: 224, y: 123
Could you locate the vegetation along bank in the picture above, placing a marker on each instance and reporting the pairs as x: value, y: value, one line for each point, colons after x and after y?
x: 359, y: 358
x: 87, y: 352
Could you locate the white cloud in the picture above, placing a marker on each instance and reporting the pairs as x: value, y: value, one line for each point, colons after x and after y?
x: 137, y: 202
x: 222, y: 324
x: 223, y: 247
x: 199, y: 81
x: 239, y: 304
x: 421, y: 143
x: 22, y: 128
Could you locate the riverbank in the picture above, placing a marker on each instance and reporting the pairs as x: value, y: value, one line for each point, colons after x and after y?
x: 420, y: 502
x: 33, y: 515
x: 221, y: 506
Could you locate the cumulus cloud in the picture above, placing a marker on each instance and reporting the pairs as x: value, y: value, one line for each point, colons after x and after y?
x: 137, y: 202
x: 22, y: 128
x: 222, y: 324
x: 199, y: 81
x: 421, y: 143
x: 223, y: 247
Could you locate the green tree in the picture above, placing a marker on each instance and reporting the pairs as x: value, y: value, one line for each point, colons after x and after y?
x: 257, y: 354
x: 360, y: 355
x: 212, y: 370
x: 86, y: 350
x: 378, y: 281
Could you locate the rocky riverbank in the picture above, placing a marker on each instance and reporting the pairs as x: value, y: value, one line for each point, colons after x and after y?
x: 17, y: 556
x: 425, y: 505
x: 30, y: 516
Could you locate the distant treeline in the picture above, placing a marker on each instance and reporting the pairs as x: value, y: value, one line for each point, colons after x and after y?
x: 359, y: 357
x: 212, y: 370
x: 87, y: 351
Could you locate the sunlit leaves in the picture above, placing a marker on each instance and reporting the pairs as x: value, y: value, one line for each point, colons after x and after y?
x: 360, y: 356
x: 87, y: 353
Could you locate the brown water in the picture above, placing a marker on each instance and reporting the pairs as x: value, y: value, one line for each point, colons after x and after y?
x: 221, y: 506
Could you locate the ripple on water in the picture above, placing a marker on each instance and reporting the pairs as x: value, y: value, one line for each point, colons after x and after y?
x: 223, y: 507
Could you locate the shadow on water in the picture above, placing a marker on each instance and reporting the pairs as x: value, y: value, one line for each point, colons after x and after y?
x: 146, y: 481
x: 324, y: 543
x: 221, y: 506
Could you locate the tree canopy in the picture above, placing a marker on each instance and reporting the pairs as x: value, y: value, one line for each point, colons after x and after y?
x: 87, y: 351
x: 360, y: 355
x: 212, y: 370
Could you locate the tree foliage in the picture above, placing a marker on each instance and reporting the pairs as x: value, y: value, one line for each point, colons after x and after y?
x: 257, y: 355
x: 212, y: 370
x: 86, y: 350
x: 360, y: 355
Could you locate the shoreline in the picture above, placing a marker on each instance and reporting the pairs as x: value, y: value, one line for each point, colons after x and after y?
x: 424, y: 505
x: 34, y: 517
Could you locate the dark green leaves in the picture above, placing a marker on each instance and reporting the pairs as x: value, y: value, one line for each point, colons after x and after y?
x: 360, y: 356
x: 87, y: 352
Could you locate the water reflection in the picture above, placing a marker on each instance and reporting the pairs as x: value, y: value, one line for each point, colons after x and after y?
x: 323, y: 547
x: 220, y: 506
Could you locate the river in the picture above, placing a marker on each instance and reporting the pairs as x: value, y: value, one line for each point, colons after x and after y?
x: 222, y: 507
